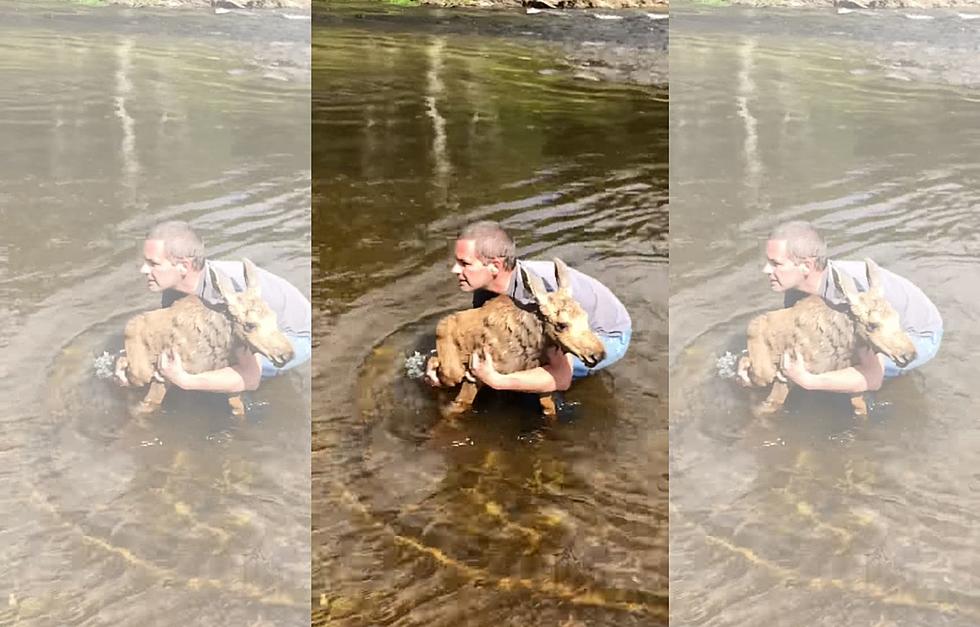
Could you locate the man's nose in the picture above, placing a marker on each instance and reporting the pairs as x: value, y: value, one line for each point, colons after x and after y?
x: 145, y: 268
x: 457, y: 268
x: 767, y: 268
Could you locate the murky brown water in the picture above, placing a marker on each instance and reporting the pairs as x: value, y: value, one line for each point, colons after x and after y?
x: 818, y: 520
x: 113, y: 120
x: 499, y: 521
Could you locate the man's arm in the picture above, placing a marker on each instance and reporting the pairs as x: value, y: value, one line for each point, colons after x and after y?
x: 555, y: 375
x: 244, y: 375
x: 867, y: 375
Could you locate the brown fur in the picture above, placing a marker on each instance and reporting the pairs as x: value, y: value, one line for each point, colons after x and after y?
x: 204, y: 339
x: 827, y: 339
x: 517, y: 339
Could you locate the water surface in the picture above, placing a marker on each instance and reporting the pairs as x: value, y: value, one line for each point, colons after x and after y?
x: 497, y: 519
x: 819, y: 519
x: 114, y: 120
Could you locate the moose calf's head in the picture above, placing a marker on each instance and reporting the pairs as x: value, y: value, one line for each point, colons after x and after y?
x: 565, y: 322
x: 875, y: 319
x: 254, y: 322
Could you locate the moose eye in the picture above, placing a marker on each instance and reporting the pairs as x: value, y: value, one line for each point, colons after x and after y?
x: 250, y: 326
x: 873, y: 326
x: 560, y: 326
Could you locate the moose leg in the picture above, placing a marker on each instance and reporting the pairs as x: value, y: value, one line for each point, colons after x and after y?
x: 236, y: 404
x: 450, y: 362
x: 463, y: 401
x: 774, y: 402
x: 151, y: 402
x: 760, y: 362
x: 548, y: 407
x: 859, y: 405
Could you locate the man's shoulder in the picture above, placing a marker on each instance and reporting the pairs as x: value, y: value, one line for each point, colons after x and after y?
x: 858, y: 270
x: 546, y: 271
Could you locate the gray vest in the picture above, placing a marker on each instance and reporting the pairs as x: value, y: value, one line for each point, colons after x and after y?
x: 607, y: 316
x: 917, y: 314
x: 293, y: 311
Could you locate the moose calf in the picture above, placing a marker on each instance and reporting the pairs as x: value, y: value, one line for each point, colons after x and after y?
x: 204, y: 338
x: 826, y: 338
x: 517, y: 338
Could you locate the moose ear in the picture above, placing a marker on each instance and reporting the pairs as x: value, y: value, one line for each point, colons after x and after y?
x: 563, y: 276
x: 874, y: 277
x: 223, y: 283
x: 536, y: 285
x: 845, y: 284
x: 251, y: 277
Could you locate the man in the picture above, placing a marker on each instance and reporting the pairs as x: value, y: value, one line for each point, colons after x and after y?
x: 174, y: 265
x: 486, y: 265
x: 797, y: 266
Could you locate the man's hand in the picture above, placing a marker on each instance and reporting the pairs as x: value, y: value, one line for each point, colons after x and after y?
x: 795, y: 369
x: 171, y: 368
x: 483, y: 369
x: 119, y: 372
x: 431, y: 372
x: 742, y: 375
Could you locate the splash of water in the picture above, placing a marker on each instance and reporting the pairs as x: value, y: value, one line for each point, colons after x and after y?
x: 415, y: 365
x: 105, y: 365
x: 727, y: 365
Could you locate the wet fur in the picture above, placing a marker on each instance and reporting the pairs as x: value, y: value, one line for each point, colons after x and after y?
x: 517, y: 339
x: 826, y: 338
x: 204, y: 338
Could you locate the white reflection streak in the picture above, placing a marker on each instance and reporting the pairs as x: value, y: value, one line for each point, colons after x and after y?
x: 746, y: 88
x: 124, y: 88
x: 435, y: 88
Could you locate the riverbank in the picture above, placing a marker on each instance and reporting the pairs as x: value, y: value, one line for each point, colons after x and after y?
x: 200, y: 4
x: 847, y: 4
x: 924, y: 45
x: 615, y: 45
x: 547, y: 4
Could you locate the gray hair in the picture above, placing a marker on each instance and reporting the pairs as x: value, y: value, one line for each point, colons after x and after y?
x: 492, y: 242
x: 802, y: 242
x: 179, y: 242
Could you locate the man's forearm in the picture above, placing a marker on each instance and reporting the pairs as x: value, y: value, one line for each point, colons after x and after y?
x: 537, y: 380
x: 226, y: 380
x: 846, y: 381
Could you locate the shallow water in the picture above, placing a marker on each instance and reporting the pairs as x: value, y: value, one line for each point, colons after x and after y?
x: 498, y: 519
x: 818, y: 519
x: 114, y: 120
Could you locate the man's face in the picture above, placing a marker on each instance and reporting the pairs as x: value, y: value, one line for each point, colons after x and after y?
x: 162, y: 273
x: 471, y: 272
x: 784, y: 272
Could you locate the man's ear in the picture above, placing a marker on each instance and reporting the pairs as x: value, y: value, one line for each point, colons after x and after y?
x: 808, y: 266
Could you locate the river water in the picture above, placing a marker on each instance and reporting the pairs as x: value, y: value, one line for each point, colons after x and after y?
x: 114, y: 120
x: 497, y: 520
x: 819, y: 519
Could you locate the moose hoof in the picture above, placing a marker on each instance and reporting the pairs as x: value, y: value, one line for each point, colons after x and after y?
x: 765, y: 409
x: 860, y: 407
x: 144, y: 408
x: 237, y: 406
x: 453, y: 410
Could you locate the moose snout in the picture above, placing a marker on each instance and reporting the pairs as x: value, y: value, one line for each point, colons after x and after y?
x: 592, y: 360
x: 905, y: 358
x: 281, y: 359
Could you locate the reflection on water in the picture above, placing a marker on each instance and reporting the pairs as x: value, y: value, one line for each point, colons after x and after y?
x: 114, y: 120
x: 495, y: 520
x: 818, y: 519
